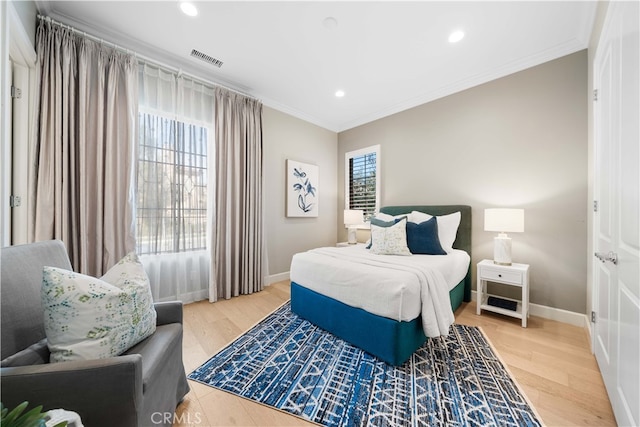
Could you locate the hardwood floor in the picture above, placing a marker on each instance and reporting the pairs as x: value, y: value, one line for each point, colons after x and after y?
x: 551, y: 361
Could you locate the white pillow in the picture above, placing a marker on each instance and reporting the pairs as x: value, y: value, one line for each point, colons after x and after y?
x: 384, y: 217
x: 390, y: 240
x: 447, y: 227
x: 88, y: 318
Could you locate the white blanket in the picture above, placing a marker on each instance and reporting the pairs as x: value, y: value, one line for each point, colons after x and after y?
x: 396, y: 287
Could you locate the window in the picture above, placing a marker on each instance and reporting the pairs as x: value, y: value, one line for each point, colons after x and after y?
x: 362, y: 180
x: 172, y: 185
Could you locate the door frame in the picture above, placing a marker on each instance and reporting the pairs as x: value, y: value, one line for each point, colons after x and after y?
x: 16, y: 49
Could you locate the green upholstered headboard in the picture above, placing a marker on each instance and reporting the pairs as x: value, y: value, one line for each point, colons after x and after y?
x: 463, y: 238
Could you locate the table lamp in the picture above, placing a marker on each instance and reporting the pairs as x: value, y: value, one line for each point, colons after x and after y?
x: 503, y: 221
x: 353, y: 218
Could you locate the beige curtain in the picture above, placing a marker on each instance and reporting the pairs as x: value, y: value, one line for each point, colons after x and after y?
x: 85, y: 148
x: 237, y: 251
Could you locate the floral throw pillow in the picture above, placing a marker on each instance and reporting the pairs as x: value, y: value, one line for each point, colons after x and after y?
x: 390, y: 240
x: 89, y: 318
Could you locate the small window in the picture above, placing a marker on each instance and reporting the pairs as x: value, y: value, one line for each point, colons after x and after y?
x: 362, y: 180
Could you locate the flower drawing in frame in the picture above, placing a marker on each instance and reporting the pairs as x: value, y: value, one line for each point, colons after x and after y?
x: 302, y: 189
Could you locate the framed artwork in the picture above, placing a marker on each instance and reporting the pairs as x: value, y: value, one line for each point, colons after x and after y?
x: 302, y: 189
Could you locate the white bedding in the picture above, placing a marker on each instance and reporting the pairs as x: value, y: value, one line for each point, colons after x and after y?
x: 397, y: 287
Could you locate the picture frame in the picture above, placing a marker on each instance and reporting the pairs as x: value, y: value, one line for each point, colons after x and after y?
x: 302, y: 189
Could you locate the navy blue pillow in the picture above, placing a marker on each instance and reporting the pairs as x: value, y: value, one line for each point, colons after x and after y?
x: 423, y: 238
x: 381, y: 223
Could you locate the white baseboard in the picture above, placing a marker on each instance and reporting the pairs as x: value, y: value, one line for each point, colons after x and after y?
x: 557, y: 314
x: 274, y: 278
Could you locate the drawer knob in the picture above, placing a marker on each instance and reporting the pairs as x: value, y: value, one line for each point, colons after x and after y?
x: 499, y: 275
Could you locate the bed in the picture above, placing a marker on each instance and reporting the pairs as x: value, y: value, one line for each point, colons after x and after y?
x: 390, y: 324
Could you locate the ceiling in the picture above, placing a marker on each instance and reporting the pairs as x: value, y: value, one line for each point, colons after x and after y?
x: 386, y: 56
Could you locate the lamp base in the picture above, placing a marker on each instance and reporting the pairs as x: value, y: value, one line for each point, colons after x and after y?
x: 502, y: 250
x: 352, y: 235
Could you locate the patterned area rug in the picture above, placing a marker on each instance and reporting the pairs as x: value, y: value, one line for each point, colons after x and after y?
x: 288, y: 363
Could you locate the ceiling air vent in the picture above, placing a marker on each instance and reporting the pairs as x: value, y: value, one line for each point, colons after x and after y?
x: 206, y: 58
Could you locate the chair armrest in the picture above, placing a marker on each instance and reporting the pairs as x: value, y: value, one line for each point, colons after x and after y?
x: 168, y: 312
x: 103, y: 392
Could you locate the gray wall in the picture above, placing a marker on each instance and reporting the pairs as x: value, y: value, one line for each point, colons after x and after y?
x: 286, y: 137
x: 519, y: 141
x: 27, y: 12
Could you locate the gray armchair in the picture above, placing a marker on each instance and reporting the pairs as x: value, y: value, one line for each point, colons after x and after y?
x: 139, y: 388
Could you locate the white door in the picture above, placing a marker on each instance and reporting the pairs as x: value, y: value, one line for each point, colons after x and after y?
x: 616, y: 292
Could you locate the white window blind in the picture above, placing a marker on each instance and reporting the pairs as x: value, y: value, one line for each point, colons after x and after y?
x: 362, y: 180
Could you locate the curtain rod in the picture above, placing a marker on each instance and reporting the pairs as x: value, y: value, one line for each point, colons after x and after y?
x: 145, y: 59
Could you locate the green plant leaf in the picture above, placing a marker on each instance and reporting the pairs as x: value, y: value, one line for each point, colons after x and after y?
x: 30, y: 418
x: 11, y: 416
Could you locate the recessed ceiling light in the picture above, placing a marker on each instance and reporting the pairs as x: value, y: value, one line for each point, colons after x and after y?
x: 330, y: 22
x: 339, y: 93
x: 188, y: 8
x: 456, y: 36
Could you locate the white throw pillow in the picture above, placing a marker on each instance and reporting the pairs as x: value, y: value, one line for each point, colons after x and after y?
x: 447, y: 227
x: 88, y: 318
x: 386, y: 217
x: 390, y: 240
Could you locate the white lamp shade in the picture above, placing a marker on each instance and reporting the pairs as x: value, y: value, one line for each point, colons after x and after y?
x: 353, y: 216
x: 504, y: 220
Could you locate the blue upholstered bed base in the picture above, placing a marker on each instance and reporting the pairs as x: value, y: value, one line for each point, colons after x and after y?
x: 387, y: 339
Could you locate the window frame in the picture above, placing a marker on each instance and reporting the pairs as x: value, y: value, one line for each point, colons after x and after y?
x: 177, y: 219
x: 357, y: 153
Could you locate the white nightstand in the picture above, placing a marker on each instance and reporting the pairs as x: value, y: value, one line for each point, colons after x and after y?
x: 513, y: 275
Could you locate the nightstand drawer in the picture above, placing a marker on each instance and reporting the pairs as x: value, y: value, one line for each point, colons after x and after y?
x: 486, y: 273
